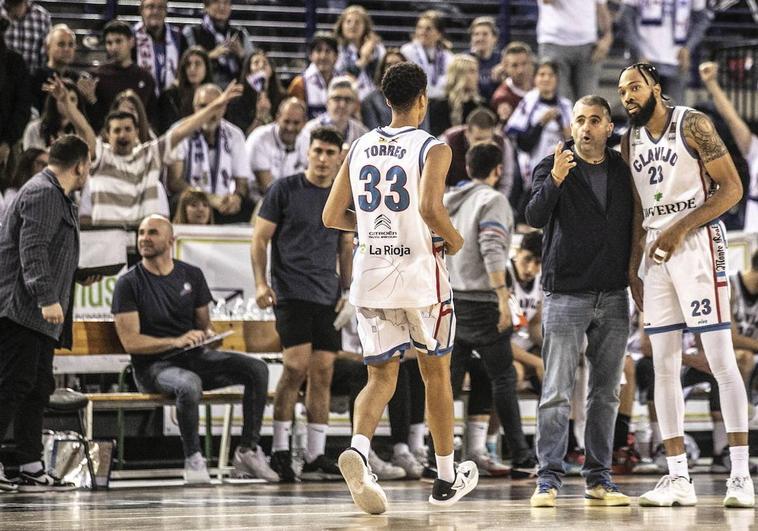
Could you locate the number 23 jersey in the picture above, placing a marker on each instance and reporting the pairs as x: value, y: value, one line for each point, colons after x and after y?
x: 398, y: 261
x: 669, y: 177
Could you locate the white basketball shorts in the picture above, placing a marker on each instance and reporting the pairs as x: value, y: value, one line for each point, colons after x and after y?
x: 386, y: 333
x: 691, y: 290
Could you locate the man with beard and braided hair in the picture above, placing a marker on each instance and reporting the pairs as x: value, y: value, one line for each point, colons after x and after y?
x: 684, y: 179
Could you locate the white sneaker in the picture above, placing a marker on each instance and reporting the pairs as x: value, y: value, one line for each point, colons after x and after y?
x: 466, y: 478
x: 254, y: 463
x: 670, y: 491
x: 6, y: 485
x: 739, y: 492
x: 422, y: 455
x: 408, y: 462
x: 383, y: 469
x: 488, y: 466
x: 366, y: 492
x: 196, y: 471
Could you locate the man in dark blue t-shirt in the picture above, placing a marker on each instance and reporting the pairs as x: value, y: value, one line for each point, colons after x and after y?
x: 305, y: 296
x: 160, y: 307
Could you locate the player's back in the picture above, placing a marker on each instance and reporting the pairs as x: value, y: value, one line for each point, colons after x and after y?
x: 398, y: 263
x: 669, y: 177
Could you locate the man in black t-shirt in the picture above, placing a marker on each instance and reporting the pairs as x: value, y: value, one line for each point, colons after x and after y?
x: 160, y: 307
x: 305, y: 296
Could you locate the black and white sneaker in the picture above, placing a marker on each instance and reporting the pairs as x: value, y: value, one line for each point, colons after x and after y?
x: 6, y: 485
x: 320, y: 469
x: 41, y: 481
x: 366, y: 492
x: 446, y: 493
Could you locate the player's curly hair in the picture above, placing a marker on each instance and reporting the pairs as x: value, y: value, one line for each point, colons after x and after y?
x: 401, y: 85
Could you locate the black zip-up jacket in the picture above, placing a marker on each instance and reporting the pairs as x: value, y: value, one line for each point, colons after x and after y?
x: 584, y: 247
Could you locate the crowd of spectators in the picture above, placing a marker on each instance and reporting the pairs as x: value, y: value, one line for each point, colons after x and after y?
x: 155, y: 68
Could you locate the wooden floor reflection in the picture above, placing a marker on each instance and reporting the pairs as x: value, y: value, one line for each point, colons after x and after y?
x: 495, y: 504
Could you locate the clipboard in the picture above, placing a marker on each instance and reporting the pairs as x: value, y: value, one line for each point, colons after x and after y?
x: 206, y: 341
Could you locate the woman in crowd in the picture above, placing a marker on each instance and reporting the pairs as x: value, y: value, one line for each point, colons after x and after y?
x: 176, y: 101
x: 194, y: 208
x: 28, y: 164
x: 431, y: 51
x: 462, y: 95
x: 261, y: 94
x: 52, y: 124
x: 374, y: 109
x: 360, y: 48
x: 540, y: 121
x: 129, y: 101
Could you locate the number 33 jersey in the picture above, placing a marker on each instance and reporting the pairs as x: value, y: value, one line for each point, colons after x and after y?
x: 668, y: 175
x: 398, y: 262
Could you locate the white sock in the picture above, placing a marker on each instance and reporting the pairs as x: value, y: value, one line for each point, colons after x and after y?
x: 282, y: 432
x: 400, y: 448
x: 492, y: 438
x: 32, y: 468
x: 416, y: 436
x: 362, y: 444
x: 445, y: 467
x: 740, y: 457
x: 316, y: 445
x: 719, y: 437
x: 476, y: 436
x: 678, y: 466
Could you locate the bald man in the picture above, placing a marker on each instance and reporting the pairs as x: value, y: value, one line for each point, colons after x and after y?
x: 214, y: 161
x: 160, y: 308
x: 60, y: 44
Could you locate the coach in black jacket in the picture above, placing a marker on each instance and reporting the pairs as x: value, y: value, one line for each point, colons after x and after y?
x: 582, y: 197
x: 39, y: 254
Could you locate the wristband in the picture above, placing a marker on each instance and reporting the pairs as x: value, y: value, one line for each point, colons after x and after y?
x: 499, y: 287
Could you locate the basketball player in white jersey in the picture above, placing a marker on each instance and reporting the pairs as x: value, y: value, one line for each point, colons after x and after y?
x: 395, y: 178
x: 684, y: 180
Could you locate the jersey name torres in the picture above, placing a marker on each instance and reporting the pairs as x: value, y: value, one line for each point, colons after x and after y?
x: 670, y: 178
x: 398, y: 262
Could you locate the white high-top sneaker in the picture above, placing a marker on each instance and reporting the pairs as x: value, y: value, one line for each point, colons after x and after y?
x: 670, y: 491
x: 366, y: 492
x: 739, y: 492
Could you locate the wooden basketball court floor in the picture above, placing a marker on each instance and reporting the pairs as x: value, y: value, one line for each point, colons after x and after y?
x: 495, y: 504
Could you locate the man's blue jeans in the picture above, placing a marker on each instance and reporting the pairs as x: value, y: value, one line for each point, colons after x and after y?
x: 603, y: 316
x: 186, y: 376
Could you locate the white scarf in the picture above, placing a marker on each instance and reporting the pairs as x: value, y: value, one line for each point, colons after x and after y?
x: 434, y: 68
x: 147, y: 59
x: 651, y: 14
x: 315, y: 91
x: 228, y: 61
x: 528, y: 113
x: 218, y: 180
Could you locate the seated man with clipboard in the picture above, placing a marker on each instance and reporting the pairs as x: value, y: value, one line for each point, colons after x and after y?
x: 160, y: 308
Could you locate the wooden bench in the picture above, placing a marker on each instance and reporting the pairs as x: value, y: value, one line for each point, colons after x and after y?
x: 100, y: 338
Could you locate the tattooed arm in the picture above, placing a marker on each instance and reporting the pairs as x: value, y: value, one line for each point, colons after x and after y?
x: 702, y: 138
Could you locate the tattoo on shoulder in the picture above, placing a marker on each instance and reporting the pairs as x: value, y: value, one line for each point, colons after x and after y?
x: 699, y: 128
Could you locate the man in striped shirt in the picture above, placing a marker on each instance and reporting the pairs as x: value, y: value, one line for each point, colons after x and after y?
x: 125, y: 185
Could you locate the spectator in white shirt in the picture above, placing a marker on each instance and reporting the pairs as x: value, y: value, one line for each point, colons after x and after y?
x: 213, y: 160
x: 341, y: 105
x: 664, y: 33
x: 431, y: 51
x: 567, y: 33
x: 274, y: 150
